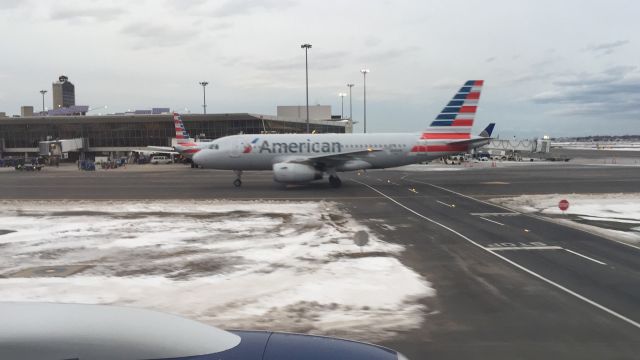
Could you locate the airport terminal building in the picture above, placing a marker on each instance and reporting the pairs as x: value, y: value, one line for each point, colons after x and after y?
x: 109, y: 134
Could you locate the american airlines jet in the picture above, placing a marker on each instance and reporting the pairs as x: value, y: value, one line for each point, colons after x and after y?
x: 302, y: 158
x: 184, y: 145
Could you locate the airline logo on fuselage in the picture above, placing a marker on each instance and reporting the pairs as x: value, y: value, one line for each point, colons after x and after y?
x: 299, y: 147
x: 247, y: 148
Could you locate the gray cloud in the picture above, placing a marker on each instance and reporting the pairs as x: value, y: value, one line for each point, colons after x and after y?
x: 244, y: 7
x: 614, y: 92
x: 150, y: 35
x: 317, y: 61
x: 10, y: 4
x: 185, y: 4
x: 386, y: 55
x: 85, y: 13
x: 606, y: 48
x: 605, y: 77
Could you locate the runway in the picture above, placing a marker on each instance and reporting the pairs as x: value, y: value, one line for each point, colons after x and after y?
x: 509, y: 285
x: 527, y: 283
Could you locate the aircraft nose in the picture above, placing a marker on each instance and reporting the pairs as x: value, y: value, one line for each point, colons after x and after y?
x: 197, y: 158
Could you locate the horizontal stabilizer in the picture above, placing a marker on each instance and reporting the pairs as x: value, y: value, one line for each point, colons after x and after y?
x: 483, y: 139
x: 472, y: 143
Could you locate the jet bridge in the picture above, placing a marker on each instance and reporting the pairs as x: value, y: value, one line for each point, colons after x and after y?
x: 61, y: 148
x: 515, y: 145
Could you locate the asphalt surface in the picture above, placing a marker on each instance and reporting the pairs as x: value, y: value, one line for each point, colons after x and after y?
x: 509, y: 285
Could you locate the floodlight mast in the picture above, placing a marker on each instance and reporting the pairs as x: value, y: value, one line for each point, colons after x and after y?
x: 350, y: 102
x: 306, y: 48
x: 364, y: 76
x: 43, y: 92
x: 342, y: 95
x: 204, y: 96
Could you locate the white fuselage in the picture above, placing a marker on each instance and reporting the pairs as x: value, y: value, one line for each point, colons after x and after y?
x: 360, y: 151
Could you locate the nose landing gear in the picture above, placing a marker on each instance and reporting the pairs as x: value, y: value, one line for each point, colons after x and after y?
x: 238, y: 181
x: 335, y: 181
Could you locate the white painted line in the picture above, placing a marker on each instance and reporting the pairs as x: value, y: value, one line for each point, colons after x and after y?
x: 495, y: 222
x: 495, y: 214
x: 499, y: 248
x: 530, y: 272
x: 443, y: 203
x: 583, y: 230
x: 586, y: 257
x: 518, y: 213
x: 467, y: 196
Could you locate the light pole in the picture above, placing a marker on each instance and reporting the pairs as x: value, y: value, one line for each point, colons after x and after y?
x: 342, y: 95
x: 43, y: 92
x: 306, y: 48
x: 350, y: 103
x: 204, y: 96
x: 364, y: 76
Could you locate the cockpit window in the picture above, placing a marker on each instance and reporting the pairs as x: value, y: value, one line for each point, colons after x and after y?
x: 213, y: 146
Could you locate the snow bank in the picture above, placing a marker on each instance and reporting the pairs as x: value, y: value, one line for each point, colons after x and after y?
x: 613, y: 207
x: 281, y: 266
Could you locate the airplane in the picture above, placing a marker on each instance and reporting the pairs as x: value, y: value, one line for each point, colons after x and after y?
x: 184, y: 145
x: 302, y: 158
x: 36, y: 330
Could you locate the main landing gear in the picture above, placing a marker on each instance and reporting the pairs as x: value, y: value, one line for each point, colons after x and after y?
x: 335, y: 181
x: 238, y: 181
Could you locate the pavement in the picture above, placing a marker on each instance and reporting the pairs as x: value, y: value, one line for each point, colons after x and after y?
x: 509, y: 285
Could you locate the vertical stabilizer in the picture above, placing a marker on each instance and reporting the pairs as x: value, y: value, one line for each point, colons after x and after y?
x: 181, y: 133
x: 456, y: 119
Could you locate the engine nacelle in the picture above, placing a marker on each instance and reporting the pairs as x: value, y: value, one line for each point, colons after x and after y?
x: 295, y: 173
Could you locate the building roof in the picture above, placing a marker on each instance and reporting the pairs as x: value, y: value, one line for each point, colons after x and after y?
x: 128, y: 118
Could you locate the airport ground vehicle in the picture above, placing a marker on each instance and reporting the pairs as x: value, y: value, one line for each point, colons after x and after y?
x: 29, y: 167
x: 160, y: 159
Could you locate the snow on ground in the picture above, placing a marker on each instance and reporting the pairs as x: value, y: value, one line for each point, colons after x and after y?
x: 242, y: 265
x: 599, y: 210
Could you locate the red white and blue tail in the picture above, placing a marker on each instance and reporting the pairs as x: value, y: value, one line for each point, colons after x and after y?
x: 184, y: 145
x: 456, y: 119
x: 181, y: 133
x: 451, y: 130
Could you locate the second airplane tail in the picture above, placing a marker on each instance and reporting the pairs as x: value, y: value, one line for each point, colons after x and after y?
x: 181, y: 133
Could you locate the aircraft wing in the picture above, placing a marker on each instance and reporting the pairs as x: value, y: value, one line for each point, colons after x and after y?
x: 333, y: 160
x: 160, y: 148
x: 156, y: 149
x: 472, y: 143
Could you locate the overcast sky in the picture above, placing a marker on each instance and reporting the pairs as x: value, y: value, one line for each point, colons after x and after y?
x: 550, y: 67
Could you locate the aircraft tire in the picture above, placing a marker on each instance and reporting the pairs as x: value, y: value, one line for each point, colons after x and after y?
x: 335, y: 181
x: 237, y: 183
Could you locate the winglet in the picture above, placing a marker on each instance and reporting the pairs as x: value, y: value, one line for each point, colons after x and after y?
x: 488, y: 130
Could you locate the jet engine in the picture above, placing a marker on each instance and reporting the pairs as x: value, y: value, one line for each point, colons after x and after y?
x: 287, y: 172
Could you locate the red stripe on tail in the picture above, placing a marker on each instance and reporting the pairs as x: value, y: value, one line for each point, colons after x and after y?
x: 445, y: 136
x: 462, y: 122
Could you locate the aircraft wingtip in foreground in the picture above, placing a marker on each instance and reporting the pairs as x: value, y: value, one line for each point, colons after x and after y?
x: 34, y: 330
x: 302, y: 158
